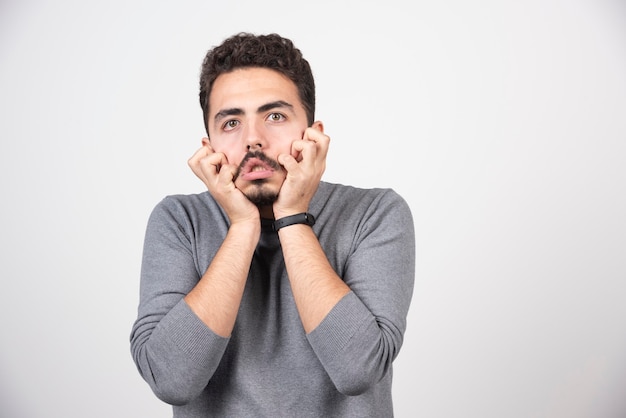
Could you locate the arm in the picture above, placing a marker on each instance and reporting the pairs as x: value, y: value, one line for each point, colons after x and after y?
x: 360, y: 332
x: 361, y: 336
x: 355, y: 323
x: 185, y: 320
x: 175, y: 352
x: 315, y: 285
x: 217, y: 296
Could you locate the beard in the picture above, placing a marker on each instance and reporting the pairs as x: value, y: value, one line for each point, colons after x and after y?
x: 259, y: 195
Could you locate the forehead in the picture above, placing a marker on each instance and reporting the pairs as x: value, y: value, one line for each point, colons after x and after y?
x: 246, y: 88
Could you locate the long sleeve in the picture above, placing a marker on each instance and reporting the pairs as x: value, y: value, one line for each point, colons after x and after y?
x: 359, y: 339
x: 173, y: 350
x: 269, y: 366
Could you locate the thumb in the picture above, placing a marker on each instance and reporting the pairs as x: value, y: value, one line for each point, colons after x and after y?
x: 287, y: 161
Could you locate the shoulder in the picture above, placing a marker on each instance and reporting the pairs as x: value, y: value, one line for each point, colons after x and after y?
x: 188, y: 202
x: 339, y: 196
x: 187, y: 208
x: 345, y: 205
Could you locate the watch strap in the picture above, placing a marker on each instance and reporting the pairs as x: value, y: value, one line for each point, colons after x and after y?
x: 299, y: 218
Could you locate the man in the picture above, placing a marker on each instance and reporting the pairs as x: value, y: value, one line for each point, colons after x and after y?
x: 273, y: 294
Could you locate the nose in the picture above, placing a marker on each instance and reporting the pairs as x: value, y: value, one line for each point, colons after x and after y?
x: 255, y: 137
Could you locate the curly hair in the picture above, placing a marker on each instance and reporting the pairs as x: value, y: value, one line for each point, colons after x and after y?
x: 265, y: 51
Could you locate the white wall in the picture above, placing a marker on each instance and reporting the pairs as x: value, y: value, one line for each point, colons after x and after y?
x: 501, y: 122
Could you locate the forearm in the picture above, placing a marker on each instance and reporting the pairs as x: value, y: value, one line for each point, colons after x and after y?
x: 315, y: 285
x: 217, y: 296
x: 178, y: 356
x: 362, y: 334
x: 174, y: 349
x: 355, y: 348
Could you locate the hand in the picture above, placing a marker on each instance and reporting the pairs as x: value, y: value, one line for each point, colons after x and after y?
x: 218, y: 175
x: 305, y: 167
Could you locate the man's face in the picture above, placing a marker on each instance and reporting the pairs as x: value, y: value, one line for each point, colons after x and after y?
x: 255, y: 115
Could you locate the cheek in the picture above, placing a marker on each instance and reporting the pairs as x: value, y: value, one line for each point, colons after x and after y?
x: 282, y: 138
x: 232, y: 156
x: 283, y: 147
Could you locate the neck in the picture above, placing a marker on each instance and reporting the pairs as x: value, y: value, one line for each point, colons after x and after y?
x: 266, y: 212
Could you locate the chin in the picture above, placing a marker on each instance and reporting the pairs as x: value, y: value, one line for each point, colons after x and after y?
x: 261, y: 193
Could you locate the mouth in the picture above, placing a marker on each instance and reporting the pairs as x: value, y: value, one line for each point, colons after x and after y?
x: 255, y: 170
x: 257, y: 166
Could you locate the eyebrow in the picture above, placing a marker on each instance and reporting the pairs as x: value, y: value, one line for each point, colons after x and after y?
x: 263, y: 108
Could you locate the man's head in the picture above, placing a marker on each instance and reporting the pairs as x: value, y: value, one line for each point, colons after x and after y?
x: 246, y: 50
x: 258, y: 97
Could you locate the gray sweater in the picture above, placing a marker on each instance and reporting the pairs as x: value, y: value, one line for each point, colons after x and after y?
x: 269, y: 367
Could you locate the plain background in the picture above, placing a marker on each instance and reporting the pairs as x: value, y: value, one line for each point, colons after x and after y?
x: 502, y: 123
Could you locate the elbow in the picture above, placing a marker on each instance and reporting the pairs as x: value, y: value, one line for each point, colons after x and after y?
x: 177, y: 386
x: 172, y: 395
x: 167, y: 388
x: 173, y: 387
x: 353, y: 387
x: 359, y: 379
x: 168, y: 383
x: 353, y: 378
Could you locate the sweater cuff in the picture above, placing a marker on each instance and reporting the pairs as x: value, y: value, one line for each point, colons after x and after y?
x: 185, y: 331
x: 341, y: 324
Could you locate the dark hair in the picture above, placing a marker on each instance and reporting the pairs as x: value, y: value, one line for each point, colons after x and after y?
x: 266, y: 51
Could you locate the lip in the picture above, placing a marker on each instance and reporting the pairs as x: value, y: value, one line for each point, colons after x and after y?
x: 257, y: 175
x: 256, y: 169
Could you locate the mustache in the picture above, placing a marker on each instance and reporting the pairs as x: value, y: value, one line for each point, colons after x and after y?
x: 260, y: 155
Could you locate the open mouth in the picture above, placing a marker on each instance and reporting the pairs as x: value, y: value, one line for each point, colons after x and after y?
x: 255, y: 169
x: 257, y: 166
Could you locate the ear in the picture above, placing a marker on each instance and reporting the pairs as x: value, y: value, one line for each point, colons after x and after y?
x: 205, y: 142
x: 319, y: 125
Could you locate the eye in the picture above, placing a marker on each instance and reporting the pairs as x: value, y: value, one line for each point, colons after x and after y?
x: 276, y: 117
x: 230, y: 125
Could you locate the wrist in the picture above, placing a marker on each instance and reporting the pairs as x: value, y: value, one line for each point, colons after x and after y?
x: 284, y: 212
x: 303, y: 218
x: 246, y: 227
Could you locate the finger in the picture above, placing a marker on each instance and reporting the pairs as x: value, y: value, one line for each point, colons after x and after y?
x: 204, y: 150
x: 212, y: 163
x: 200, y: 153
x: 305, y: 151
x: 227, y: 173
x: 321, y: 141
x: 194, y: 161
x: 289, y: 162
x: 315, y: 135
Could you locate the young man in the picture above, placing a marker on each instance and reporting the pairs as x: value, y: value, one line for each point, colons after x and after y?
x: 273, y: 294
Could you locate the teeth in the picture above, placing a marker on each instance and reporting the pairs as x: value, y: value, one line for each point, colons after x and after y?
x: 258, y: 168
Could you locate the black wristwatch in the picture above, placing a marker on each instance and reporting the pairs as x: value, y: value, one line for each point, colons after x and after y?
x: 299, y: 218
